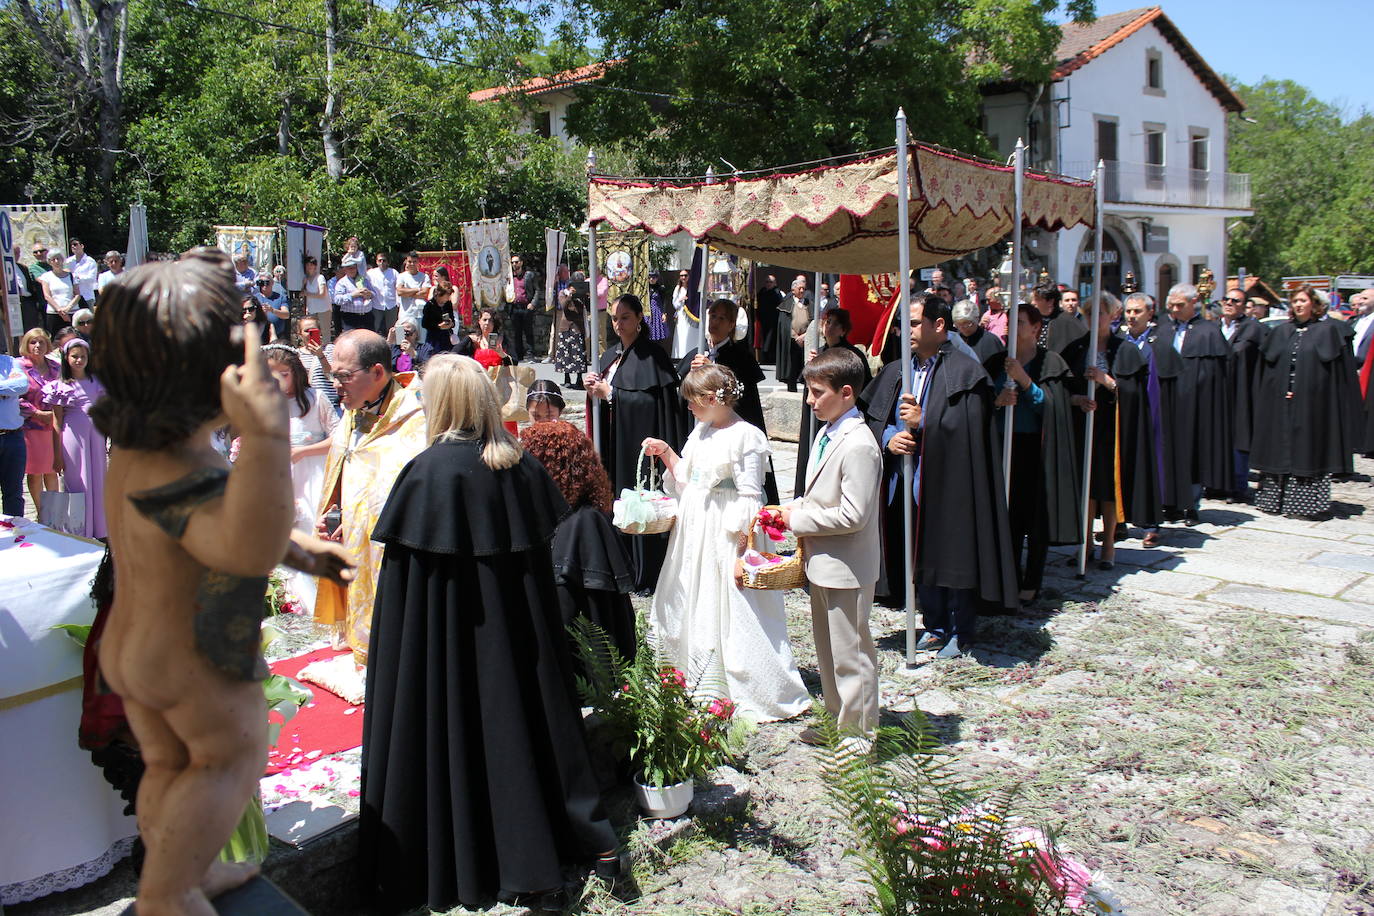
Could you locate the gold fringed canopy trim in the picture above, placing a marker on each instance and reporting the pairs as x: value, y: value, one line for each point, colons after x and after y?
x: 843, y: 218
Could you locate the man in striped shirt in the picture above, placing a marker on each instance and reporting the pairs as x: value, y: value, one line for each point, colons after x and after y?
x: 353, y: 296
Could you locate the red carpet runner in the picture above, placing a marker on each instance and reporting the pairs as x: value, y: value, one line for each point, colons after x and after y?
x: 324, y: 726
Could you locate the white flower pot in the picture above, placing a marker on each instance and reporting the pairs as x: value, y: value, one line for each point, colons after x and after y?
x: 664, y: 801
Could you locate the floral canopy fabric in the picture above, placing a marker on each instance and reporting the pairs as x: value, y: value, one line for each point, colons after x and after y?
x: 843, y: 218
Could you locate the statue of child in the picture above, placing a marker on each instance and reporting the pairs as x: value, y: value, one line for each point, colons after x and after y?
x: 191, y: 545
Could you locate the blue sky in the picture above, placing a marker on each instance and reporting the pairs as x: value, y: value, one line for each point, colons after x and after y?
x: 1319, y: 44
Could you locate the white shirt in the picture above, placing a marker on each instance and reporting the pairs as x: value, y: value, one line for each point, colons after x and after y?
x: 60, y: 288
x: 1364, y: 333
x: 316, y: 296
x: 410, y: 280
x: 105, y: 278
x: 86, y: 272
x: 384, y: 282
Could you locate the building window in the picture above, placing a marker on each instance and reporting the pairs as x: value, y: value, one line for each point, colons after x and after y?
x: 543, y: 124
x: 1197, y: 150
x: 1196, y: 266
x: 1198, y: 163
x: 1154, y: 71
x: 1154, y: 154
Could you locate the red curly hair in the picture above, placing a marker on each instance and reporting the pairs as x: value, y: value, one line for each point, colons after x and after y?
x: 571, y: 462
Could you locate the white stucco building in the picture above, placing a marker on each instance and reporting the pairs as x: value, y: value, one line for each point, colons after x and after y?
x: 1129, y: 89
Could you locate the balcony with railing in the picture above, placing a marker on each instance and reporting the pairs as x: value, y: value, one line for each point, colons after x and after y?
x: 1141, y: 183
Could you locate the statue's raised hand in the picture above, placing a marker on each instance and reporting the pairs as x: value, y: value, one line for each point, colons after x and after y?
x: 251, y: 398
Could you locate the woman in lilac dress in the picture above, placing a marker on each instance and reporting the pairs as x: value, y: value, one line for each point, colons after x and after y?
x: 84, y: 451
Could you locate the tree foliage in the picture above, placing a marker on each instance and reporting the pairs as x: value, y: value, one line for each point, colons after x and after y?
x: 223, y: 122
x: 769, y: 82
x: 1312, y: 184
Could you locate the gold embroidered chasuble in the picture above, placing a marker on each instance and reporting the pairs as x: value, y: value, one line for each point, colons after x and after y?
x: 362, y: 475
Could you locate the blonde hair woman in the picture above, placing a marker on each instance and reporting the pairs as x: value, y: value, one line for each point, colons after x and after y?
x: 469, y: 683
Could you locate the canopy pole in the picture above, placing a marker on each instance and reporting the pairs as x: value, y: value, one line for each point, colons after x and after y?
x: 1087, y: 531
x: 904, y: 305
x: 814, y: 338
x: 703, y: 307
x: 595, y: 336
x: 1013, y: 307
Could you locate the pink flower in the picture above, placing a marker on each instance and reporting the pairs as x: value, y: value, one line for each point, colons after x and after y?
x: 722, y: 708
x: 672, y: 677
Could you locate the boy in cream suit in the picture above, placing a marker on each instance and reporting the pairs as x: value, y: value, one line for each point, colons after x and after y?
x: 836, y: 522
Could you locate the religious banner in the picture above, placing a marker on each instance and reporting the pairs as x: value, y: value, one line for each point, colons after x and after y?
x: 136, y: 251
x: 45, y: 224
x: 554, y: 240
x: 457, y: 264
x: 868, y: 299
x: 624, y: 263
x: 302, y: 240
x: 253, y: 241
x: 488, y: 248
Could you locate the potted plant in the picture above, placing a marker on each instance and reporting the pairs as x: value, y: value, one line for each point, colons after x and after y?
x: 675, y: 732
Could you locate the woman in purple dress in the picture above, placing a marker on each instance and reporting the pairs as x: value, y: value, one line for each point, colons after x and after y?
x: 39, y: 432
x: 84, y: 451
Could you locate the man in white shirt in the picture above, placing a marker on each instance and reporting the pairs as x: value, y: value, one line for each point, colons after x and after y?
x: 245, y: 277
x: 85, y: 272
x: 354, y: 297
x: 412, y: 289
x: 114, y: 261
x: 382, y: 279
x: 1363, y: 303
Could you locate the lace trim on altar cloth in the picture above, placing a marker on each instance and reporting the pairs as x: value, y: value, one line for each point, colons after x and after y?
x: 66, y: 879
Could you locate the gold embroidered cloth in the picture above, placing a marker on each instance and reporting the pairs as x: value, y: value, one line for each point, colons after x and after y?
x: 843, y: 218
x: 363, y: 475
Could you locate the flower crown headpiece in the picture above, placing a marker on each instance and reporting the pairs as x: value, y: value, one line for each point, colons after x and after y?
x: 737, y: 389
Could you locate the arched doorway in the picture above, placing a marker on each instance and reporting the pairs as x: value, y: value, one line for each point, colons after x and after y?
x: 1111, y: 264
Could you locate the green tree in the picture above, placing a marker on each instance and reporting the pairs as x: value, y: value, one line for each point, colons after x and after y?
x: 771, y: 81
x: 1311, y: 185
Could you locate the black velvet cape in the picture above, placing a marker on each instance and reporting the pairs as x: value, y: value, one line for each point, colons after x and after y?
x: 1245, y: 345
x: 594, y: 577
x: 1067, y: 336
x: 645, y: 403
x: 476, y: 779
x: 992, y: 352
x: 1203, y: 441
x: 807, y: 434
x: 1136, y: 470
x: 963, y: 539
x: 1061, y: 454
x: 1315, y: 431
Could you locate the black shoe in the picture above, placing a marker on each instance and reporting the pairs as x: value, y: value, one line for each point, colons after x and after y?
x: 1190, y: 518
x: 1105, y: 565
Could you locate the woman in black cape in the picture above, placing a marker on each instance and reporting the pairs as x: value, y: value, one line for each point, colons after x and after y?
x: 635, y: 387
x: 476, y: 782
x: 590, y: 565
x: 1307, y: 411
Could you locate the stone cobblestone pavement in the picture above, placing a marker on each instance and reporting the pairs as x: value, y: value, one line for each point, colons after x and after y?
x: 1195, y: 724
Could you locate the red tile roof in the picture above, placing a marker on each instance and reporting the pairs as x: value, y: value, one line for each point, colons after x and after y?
x: 1080, y: 44
x: 542, y: 84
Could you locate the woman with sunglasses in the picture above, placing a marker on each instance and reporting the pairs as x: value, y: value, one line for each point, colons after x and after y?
x: 408, y: 353
x: 253, y: 312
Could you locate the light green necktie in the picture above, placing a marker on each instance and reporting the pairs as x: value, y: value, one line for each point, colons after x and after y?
x: 820, y: 452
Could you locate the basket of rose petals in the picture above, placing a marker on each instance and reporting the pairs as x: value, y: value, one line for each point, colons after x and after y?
x: 763, y: 570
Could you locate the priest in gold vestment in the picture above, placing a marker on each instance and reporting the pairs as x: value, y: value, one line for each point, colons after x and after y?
x: 383, y: 427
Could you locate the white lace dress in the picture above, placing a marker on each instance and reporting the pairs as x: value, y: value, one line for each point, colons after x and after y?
x: 723, y: 637
x: 307, y: 478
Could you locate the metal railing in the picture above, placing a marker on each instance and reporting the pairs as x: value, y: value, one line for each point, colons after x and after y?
x: 1141, y: 183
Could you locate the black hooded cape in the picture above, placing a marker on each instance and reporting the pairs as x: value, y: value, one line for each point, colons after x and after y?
x: 475, y: 773
x: 645, y: 403
x: 1315, y: 431
x: 963, y: 540
x: 594, y: 577
x: 1245, y: 344
x: 992, y: 352
x: 1067, y: 336
x: 1202, y: 441
x: 1061, y: 454
x: 1135, y: 467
